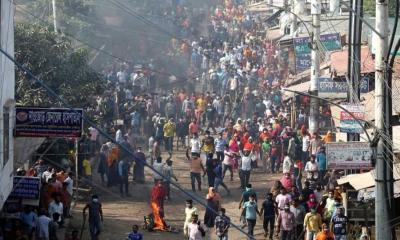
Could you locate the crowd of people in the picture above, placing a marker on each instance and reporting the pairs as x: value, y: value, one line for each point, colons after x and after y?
x: 231, y: 117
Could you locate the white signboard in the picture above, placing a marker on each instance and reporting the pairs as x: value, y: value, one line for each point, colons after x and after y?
x: 348, y: 155
x: 349, y: 124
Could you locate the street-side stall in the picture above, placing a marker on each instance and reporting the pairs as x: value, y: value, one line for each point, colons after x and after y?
x: 359, y: 199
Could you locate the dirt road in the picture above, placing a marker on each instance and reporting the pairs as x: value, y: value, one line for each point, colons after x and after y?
x: 121, y: 213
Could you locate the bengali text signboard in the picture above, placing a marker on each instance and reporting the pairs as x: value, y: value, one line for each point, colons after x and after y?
x: 350, y: 124
x: 48, y: 122
x: 328, y: 88
x: 349, y: 155
x: 26, y: 188
x: 302, y: 49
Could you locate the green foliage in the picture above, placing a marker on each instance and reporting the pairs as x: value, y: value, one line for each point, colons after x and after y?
x: 369, y: 7
x: 54, y: 61
x: 72, y: 15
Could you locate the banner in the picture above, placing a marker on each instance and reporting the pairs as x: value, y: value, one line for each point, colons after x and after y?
x: 349, y: 124
x: 302, y: 49
x: 26, y: 188
x: 349, y: 155
x: 328, y: 88
x: 48, y: 122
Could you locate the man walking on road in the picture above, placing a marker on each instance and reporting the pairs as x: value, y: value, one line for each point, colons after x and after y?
x: 286, y: 223
x: 222, y: 224
x: 269, y: 210
x: 95, y: 217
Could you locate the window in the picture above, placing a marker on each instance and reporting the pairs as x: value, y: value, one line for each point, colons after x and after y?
x: 6, y: 135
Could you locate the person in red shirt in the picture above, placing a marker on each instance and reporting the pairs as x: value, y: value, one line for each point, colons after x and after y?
x: 248, y: 145
x: 193, y: 128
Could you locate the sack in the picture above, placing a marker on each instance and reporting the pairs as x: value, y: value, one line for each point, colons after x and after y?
x: 149, y: 222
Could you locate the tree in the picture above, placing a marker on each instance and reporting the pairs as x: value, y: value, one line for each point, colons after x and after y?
x: 369, y: 7
x: 53, y: 59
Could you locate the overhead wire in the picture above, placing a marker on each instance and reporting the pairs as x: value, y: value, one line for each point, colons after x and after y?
x: 102, y: 132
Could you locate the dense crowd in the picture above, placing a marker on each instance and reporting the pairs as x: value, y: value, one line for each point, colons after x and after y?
x: 230, y: 118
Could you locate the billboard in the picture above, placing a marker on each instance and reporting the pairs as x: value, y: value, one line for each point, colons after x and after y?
x: 349, y: 155
x: 48, y: 122
x: 302, y: 49
x: 349, y: 124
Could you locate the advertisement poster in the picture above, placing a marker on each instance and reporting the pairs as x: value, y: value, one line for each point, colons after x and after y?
x: 349, y: 155
x: 349, y: 124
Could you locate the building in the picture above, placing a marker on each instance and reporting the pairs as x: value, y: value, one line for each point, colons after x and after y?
x: 7, y: 102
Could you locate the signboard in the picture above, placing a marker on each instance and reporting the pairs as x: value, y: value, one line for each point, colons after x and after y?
x: 349, y: 124
x: 302, y: 49
x: 348, y: 155
x: 48, y: 122
x: 26, y: 188
x: 328, y: 88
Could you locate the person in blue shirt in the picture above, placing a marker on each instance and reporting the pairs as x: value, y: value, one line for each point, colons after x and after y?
x: 219, y: 176
x: 250, y: 210
x: 135, y: 235
x: 321, y: 159
x: 219, y: 144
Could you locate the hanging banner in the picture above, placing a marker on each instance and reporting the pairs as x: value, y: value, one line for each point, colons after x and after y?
x: 302, y: 49
x: 348, y: 155
x: 349, y: 124
x: 48, y: 122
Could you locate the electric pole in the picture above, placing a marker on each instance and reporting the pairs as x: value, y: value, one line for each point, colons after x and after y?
x: 54, y: 15
x: 382, y: 223
x: 315, y: 58
x: 354, y: 57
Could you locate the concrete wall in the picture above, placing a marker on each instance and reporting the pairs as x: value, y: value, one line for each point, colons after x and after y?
x: 7, y: 85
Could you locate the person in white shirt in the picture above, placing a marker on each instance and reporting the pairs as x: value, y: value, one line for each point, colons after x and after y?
x: 42, y: 225
x: 122, y: 75
x: 47, y: 174
x: 287, y: 165
x: 245, y: 168
x: 190, y: 210
x: 70, y: 181
x: 56, y: 206
x: 158, y: 166
x: 195, y: 144
x: 119, y: 137
x: 196, y: 230
x: 311, y: 169
x: 305, y: 148
x: 282, y: 199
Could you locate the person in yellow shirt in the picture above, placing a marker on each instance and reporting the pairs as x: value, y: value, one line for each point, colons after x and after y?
x: 87, y: 171
x: 200, y: 108
x: 312, y: 224
x: 169, y: 132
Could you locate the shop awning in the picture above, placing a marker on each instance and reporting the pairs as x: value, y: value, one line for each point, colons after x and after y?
x: 367, y: 180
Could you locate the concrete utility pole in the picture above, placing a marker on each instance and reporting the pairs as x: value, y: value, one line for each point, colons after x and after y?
x: 315, y: 58
x: 54, y: 15
x: 382, y: 223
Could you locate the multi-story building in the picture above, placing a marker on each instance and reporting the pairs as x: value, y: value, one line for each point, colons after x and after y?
x: 7, y: 102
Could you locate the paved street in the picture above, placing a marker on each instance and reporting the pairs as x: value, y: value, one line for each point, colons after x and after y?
x: 121, y: 213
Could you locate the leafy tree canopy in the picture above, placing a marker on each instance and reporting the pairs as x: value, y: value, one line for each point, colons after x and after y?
x: 369, y: 7
x: 53, y: 59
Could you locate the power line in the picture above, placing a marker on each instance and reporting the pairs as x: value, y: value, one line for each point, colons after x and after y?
x: 51, y: 92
